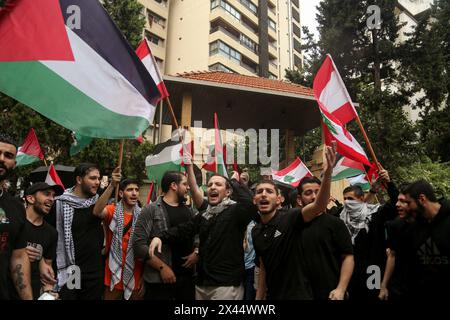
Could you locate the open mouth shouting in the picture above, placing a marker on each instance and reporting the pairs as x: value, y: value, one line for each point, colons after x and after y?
x: 264, y: 204
x: 213, y: 196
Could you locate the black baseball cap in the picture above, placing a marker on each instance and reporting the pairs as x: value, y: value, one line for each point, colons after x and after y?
x: 41, y: 186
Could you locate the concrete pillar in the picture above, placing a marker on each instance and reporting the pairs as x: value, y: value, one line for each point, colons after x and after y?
x: 186, y: 110
x: 289, y: 147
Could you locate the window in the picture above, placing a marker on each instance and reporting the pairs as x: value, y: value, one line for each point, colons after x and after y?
x: 250, y: 6
x: 153, y: 38
x: 296, y: 30
x: 220, y: 67
x: 295, y: 15
x: 219, y: 47
x: 297, y: 46
x: 249, y: 43
x: 155, y: 18
x: 272, y: 25
x: 228, y: 8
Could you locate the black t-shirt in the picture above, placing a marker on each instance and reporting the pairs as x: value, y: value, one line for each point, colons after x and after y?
x: 427, y: 245
x: 278, y: 243
x: 88, y: 235
x: 43, y: 238
x: 12, y: 224
x: 178, y: 215
x: 396, y: 232
x: 221, y: 246
x: 324, y: 241
x: 221, y: 249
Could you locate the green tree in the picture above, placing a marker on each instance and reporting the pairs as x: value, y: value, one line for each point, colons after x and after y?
x: 426, y: 68
x: 366, y: 60
x: 438, y: 174
x: 128, y: 16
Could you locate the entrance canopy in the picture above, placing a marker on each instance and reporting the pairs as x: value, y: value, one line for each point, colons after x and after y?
x: 241, y: 102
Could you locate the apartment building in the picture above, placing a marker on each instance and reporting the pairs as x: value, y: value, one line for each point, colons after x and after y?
x: 249, y: 37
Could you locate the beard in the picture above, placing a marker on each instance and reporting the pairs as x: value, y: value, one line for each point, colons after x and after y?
x: 420, y: 209
x: 7, y: 172
x: 87, y: 191
x: 181, y: 197
x: 38, y: 209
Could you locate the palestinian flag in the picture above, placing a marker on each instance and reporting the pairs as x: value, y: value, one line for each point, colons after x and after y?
x: 292, y: 174
x: 30, y: 151
x: 167, y: 156
x: 53, y: 178
x: 330, y: 90
x: 216, y: 162
x: 145, y: 54
x: 361, y: 181
x: 83, y: 75
x: 346, y: 168
x: 80, y: 142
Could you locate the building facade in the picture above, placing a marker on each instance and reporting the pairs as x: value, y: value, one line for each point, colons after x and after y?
x: 249, y: 37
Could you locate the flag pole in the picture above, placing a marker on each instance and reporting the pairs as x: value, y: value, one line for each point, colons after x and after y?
x: 122, y: 142
x: 369, y: 145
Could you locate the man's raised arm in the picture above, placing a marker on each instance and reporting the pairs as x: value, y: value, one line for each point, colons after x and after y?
x: 312, y: 210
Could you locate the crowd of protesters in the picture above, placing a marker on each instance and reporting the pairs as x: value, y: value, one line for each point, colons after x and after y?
x: 230, y: 243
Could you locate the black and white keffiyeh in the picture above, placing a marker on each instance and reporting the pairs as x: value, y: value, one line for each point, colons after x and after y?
x: 115, y: 254
x: 212, y: 211
x: 65, y: 249
x: 357, y: 216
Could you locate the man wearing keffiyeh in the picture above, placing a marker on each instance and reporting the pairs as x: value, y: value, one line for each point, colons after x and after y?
x: 122, y: 271
x: 80, y: 235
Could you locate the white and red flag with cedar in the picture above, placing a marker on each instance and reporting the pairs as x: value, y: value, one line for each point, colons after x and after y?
x: 333, y: 128
x: 292, y: 174
x: 53, y: 178
x: 332, y: 94
x: 30, y: 151
x: 145, y: 54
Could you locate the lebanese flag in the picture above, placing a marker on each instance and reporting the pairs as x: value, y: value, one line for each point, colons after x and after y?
x: 346, y: 168
x: 53, y: 178
x: 30, y: 151
x: 216, y: 163
x: 331, y: 93
x: 347, y: 145
x: 145, y: 54
x: 86, y: 78
x: 292, y: 174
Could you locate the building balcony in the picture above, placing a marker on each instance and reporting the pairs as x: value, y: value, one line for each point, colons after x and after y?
x: 220, y: 13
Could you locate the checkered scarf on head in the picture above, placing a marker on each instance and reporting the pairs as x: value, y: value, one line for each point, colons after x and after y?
x: 115, y: 253
x: 65, y: 249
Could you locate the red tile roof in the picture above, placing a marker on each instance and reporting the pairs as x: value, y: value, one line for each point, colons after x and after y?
x: 247, y: 81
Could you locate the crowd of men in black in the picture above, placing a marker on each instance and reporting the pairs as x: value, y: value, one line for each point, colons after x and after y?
x: 231, y: 243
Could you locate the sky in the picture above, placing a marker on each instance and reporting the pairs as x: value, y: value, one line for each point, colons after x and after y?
x: 308, y: 15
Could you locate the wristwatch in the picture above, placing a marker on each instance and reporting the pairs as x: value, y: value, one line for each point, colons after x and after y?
x: 196, y: 251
